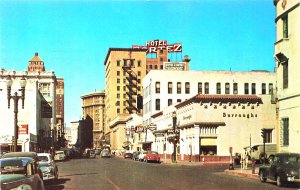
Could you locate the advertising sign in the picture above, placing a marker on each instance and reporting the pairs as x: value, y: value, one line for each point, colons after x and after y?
x: 174, y: 66
x: 156, y: 45
x: 23, y: 129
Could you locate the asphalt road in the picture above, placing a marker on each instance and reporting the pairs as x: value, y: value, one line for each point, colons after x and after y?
x: 121, y: 174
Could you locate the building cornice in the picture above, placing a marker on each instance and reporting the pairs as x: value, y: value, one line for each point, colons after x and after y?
x: 122, y: 49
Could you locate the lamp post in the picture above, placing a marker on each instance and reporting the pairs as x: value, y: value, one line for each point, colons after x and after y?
x: 174, y: 117
x: 16, y: 98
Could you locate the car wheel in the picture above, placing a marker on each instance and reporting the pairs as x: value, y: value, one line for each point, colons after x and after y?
x: 262, y: 178
x: 279, y: 182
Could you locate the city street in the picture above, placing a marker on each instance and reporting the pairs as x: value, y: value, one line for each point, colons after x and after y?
x: 119, y: 174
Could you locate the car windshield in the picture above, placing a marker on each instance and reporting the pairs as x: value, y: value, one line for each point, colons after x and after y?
x: 43, y: 158
x: 153, y: 152
x: 12, y: 166
x: 59, y: 153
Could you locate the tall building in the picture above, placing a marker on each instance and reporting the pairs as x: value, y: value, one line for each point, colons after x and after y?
x: 93, y: 108
x: 124, y: 70
x: 287, y: 58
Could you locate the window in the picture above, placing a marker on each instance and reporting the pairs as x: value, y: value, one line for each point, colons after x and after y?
x: 161, y: 51
x: 124, y: 88
x: 155, y: 66
x: 118, y: 73
x: 118, y: 110
x: 285, y: 27
x: 285, y: 128
x: 218, y: 87
x: 227, y: 88
x: 118, y: 95
x: 246, y: 88
x: 161, y: 67
x: 150, y: 66
x: 235, y: 88
x: 200, y: 88
x: 178, y: 100
x: 161, y: 59
x: 139, y: 73
x: 253, y: 88
x: 206, y: 88
x: 124, y: 103
x: 187, y: 87
x: 131, y: 62
x: 170, y: 87
x: 285, y: 74
x: 118, y: 63
x: 170, y: 102
x: 157, y: 104
x: 118, y: 88
x: 125, y: 62
x: 268, y: 133
x: 117, y: 103
x: 263, y: 88
x: 178, y: 87
x: 157, y: 87
x: 124, y: 95
x: 270, y: 88
x: 139, y: 63
x: 118, y: 80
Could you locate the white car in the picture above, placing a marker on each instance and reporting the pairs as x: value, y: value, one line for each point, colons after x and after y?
x: 60, y: 156
x: 141, y: 156
x: 47, y: 166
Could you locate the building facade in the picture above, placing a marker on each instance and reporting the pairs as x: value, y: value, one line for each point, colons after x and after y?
x: 124, y: 70
x: 287, y: 60
x: 93, y: 107
x: 34, y: 120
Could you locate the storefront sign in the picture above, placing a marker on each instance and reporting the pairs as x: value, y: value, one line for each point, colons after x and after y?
x: 139, y: 129
x: 23, y: 129
x: 174, y: 66
x: 248, y: 115
x: 155, y: 45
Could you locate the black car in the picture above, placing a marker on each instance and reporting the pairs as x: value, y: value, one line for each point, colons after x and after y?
x: 128, y: 155
x: 135, y: 155
x: 282, y: 168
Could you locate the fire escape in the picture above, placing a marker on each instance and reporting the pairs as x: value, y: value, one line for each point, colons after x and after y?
x: 131, y: 87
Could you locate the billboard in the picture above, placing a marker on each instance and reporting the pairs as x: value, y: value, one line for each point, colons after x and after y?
x: 156, y: 45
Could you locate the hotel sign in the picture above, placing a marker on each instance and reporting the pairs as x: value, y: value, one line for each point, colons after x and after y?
x: 156, y: 45
x: 174, y: 66
x: 23, y: 129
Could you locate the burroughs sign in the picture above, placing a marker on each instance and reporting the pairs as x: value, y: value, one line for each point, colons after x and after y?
x: 154, y: 46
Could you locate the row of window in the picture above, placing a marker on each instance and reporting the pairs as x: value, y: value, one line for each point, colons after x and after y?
x: 155, y: 67
x: 205, y: 90
x: 124, y: 88
x: 129, y: 62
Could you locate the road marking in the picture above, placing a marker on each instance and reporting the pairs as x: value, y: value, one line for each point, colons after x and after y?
x: 113, y: 184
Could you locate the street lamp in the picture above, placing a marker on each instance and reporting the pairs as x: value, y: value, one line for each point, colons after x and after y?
x: 174, y: 117
x: 16, y: 98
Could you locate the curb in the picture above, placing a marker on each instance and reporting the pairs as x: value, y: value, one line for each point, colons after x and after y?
x: 242, y: 174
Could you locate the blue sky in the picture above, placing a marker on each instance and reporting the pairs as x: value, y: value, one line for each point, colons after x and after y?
x: 73, y: 37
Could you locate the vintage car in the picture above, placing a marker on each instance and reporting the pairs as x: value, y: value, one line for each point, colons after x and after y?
x: 142, y: 155
x: 282, y: 168
x: 105, y: 153
x: 60, y: 156
x: 47, y: 166
x: 128, y: 155
x: 152, y: 157
x: 19, y: 173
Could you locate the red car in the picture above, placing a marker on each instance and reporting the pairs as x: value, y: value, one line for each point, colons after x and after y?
x: 152, y: 157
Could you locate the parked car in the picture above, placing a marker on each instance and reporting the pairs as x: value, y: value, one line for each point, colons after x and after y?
x: 60, y: 156
x: 105, y: 153
x: 135, y: 155
x: 92, y: 154
x: 128, y: 155
x: 283, y: 168
x: 257, y: 151
x: 19, y: 173
x: 32, y: 155
x: 152, y: 157
x: 47, y: 166
x: 141, y: 156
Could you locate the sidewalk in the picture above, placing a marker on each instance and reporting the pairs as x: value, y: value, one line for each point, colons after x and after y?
x: 187, y: 163
x: 244, y: 173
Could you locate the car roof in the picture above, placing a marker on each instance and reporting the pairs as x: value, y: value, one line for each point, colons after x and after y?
x: 287, y: 154
x: 20, y: 154
x: 27, y: 159
x: 43, y: 154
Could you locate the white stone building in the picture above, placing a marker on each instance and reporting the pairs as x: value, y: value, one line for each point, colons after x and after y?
x: 164, y: 88
x: 287, y: 60
x: 34, y: 120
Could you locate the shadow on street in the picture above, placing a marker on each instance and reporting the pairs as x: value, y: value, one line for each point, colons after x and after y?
x: 56, y: 185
